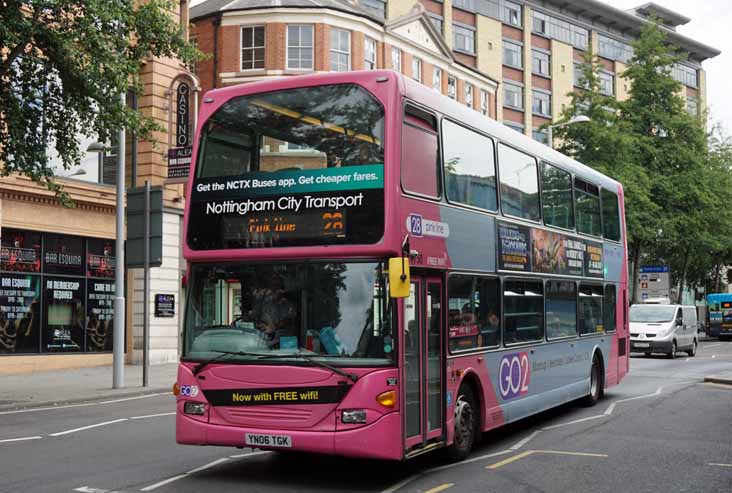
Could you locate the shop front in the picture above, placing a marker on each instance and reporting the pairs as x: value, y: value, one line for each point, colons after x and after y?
x: 56, y: 293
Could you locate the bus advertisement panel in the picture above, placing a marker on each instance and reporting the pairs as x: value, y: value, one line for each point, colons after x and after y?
x: 305, y: 190
x: 719, y: 309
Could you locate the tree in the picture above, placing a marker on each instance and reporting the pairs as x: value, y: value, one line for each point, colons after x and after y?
x: 607, y: 144
x: 63, y: 66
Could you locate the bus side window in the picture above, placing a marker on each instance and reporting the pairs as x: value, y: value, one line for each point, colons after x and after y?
x: 420, y: 164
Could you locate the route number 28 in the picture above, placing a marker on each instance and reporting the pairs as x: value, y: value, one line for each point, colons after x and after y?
x: 513, y: 375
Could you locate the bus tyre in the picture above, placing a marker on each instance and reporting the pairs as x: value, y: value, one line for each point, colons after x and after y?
x: 674, y: 348
x: 692, y: 352
x: 466, y: 425
x: 595, y: 384
x: 647, y: 355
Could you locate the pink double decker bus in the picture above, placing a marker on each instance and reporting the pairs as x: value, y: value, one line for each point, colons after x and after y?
x: 375, y: 270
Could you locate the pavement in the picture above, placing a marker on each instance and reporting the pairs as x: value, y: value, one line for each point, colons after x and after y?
x: 54, y: 388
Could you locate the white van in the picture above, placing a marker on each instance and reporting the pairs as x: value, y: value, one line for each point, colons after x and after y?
x: 663, y: 329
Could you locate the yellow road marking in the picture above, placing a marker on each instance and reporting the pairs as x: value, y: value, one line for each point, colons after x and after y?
x: 442, y: 487
x: 721, y: 465
x: 510, y: 459
x: 531, y: 452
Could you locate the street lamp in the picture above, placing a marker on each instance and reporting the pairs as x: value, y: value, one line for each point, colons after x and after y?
x: 573, y: 120
x: 118, y: 344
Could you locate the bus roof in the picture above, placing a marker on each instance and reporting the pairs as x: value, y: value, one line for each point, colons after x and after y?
x: 719, y: 296
x: 428, y: 97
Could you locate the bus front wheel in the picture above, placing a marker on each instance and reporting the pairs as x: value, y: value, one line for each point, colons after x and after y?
x: 466, y: 425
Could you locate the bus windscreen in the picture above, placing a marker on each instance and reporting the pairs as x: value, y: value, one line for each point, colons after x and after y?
x: 296, y: 167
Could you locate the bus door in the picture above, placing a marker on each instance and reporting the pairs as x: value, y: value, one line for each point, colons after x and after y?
x: 423, y: 363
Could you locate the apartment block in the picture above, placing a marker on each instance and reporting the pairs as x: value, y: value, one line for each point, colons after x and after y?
x: 515, y: 61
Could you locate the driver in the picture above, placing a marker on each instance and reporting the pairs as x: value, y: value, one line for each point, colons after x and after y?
x: 272, y: 312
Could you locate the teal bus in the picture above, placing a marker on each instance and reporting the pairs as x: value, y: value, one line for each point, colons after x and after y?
x: 719, y: 310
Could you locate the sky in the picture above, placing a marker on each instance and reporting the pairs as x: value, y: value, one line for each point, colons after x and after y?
x: 710, y: 24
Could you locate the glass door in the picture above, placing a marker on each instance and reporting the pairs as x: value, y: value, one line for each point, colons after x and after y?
x: 423, y: 363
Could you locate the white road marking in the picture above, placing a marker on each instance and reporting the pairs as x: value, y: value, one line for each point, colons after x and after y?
x: 202, y: 468
x: 85, y: 404
x: 87, y: 427
x: 207, y: 466
x: 163, y: 482
x: 152, y: 415
x: 611, y: 407
x: 526, y: 440
x: 467, y: 461
x: 573, y: 422
x: 721, y: 465
x: 713, y: 345
x: 19, y: 439
x: 88, y: 489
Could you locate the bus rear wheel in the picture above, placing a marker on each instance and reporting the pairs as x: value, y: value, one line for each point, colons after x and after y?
x: 595, y: 384
x: 466, y: 425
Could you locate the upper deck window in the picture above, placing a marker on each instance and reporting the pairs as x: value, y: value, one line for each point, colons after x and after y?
x: 587, y: 207
x: 470, y: 168
x: 519, y: 183
x: 261, y: 154
x: 610, y: 215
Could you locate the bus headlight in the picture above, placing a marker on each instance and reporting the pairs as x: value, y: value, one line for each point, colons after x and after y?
x: 352, y: 416
x: 197, y: 408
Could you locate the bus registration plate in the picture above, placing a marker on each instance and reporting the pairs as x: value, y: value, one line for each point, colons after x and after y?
x: 262, y: 440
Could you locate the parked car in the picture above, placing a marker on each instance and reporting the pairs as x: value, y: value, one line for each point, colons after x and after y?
x: 663, y: 329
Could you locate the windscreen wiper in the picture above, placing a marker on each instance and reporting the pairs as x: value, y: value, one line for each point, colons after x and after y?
x: 335, y: 370
x: 203, y: 364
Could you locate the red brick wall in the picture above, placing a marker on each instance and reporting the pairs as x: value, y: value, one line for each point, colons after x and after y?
x: 322, y: 44
x: 513, y: 115
x: 275, y: 46
x: 407, y: 64
x: 463, y: 17
x: 512, y: 33
x: 540, y: 42
x: 357, y: 51
x: 203, y: 33
x: 513, y: 74
x: 432, y: 6
x: 230, y: 49
x: 463, y: 58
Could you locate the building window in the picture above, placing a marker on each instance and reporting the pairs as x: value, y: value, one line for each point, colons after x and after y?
x: 607, y: 83
x: 560, y: 30
x: 470, y: 169
x: 417, y: 69
x: 540, y: 136
x: 579, y: 77
x: 614, y: 49
x: 519, y: 184
x: 451, y: 87
x: 252, y: 47
x: 686, y: 75
x: 540, y: 63
x: 437, y: 79
x: 692, y: 106
x: 437, y: 21
x: 484, y: 102
x: 468, y: 5
x: 369, y: 54
x: 513, y: 55
x: 513, y: 96
x: 468, y: 95
x: 514, y: 126
x: 541, y: 103
x: 340, y: 50
x: 463, y: 39
x: 300, y: 47
x: 396, y: 59
x: 511, y: 13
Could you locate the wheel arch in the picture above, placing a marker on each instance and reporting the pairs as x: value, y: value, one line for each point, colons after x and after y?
x: 471, y: 379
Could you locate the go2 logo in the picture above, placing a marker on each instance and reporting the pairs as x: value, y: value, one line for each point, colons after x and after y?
x: 513, y: 375
x: 189, y: 390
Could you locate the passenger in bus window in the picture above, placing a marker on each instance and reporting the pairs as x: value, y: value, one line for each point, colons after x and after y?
x: 273, y: 313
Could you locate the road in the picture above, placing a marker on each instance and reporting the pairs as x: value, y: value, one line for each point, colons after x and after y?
x: 662, y: 429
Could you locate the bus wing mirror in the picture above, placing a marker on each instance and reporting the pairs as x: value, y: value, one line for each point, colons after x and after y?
x: 399, y: 277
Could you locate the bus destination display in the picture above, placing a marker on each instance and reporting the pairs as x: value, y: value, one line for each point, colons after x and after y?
x: 342, y: 205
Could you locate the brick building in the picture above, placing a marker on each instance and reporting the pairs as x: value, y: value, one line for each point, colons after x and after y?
x: 251, y: 40
x: 57, y: 264
x: 459, y: 47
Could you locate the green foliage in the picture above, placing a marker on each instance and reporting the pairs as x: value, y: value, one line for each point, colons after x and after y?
x: 676, y: 179
x: 66, y: 64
